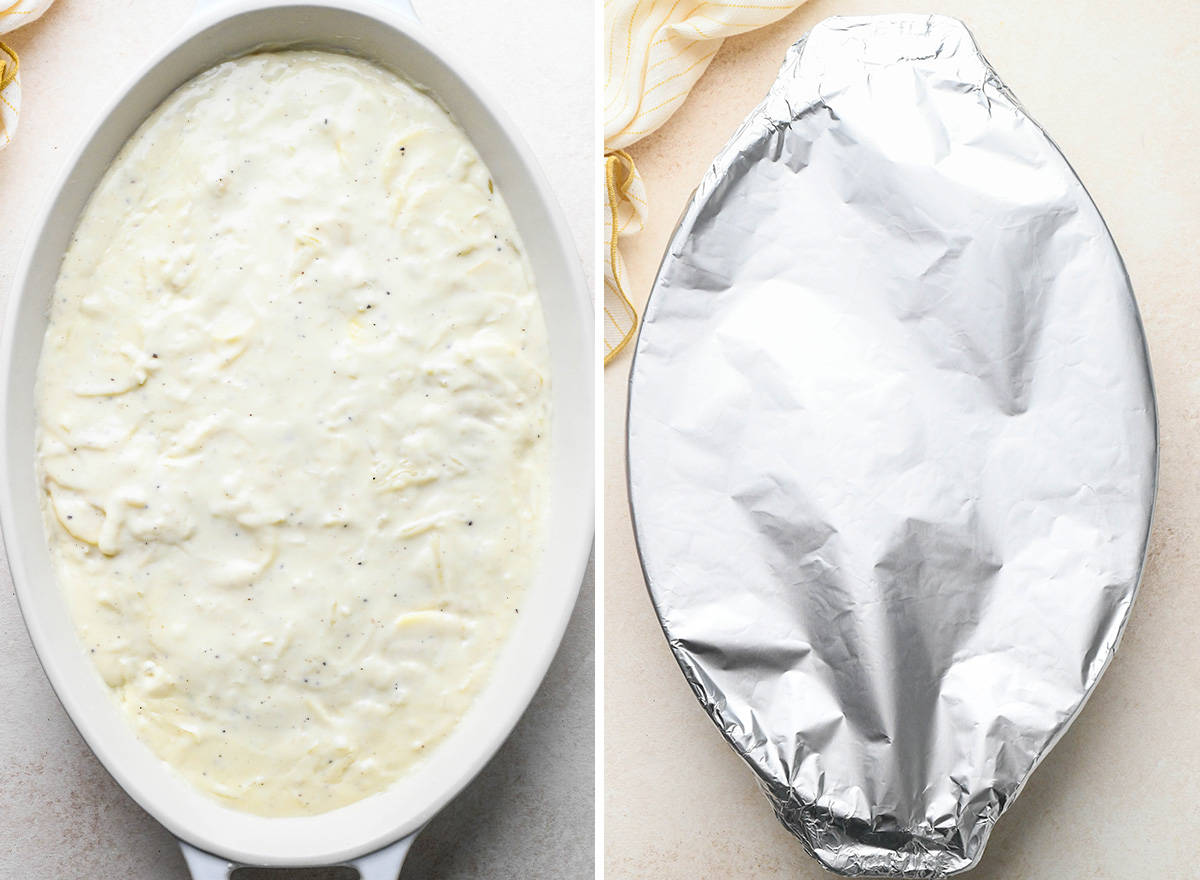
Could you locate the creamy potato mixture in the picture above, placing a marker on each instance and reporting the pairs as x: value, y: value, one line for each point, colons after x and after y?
x: 293, y: 414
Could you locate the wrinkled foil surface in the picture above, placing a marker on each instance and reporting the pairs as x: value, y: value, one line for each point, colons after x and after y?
x: 892, y: 445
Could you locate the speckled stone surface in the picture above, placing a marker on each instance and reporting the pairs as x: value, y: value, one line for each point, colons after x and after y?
x: 530, y: 813
x: 1114, y: 82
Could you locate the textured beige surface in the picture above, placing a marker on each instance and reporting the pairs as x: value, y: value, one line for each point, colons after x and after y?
x: 530, y: 813
x: 1115, y: 84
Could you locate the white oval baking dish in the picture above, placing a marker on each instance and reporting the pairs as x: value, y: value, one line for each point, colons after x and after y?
x: 374, y: 834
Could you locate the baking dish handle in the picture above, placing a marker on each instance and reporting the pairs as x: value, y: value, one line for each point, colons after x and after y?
x: 383, y: 864
x: 404, y: 7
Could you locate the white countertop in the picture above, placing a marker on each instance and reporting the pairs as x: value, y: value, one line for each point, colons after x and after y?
x: 530, y: 813
x: 1114, y: 83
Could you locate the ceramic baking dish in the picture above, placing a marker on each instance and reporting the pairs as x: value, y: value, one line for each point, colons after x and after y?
x: 374, y: 834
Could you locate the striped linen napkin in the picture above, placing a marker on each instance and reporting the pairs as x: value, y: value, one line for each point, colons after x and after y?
x: 12, y: 16
x: 655, y: 52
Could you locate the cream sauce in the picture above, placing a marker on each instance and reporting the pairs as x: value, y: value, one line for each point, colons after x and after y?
x: 293, y: 413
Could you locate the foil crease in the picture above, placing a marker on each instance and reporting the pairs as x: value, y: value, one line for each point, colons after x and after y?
x: 892, y: 445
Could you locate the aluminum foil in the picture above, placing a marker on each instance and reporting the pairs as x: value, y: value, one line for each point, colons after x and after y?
x: 892, y: 445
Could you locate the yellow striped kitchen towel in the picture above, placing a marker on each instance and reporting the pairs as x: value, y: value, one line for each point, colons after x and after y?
x: 12, y: 16
x: 655, y: 51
